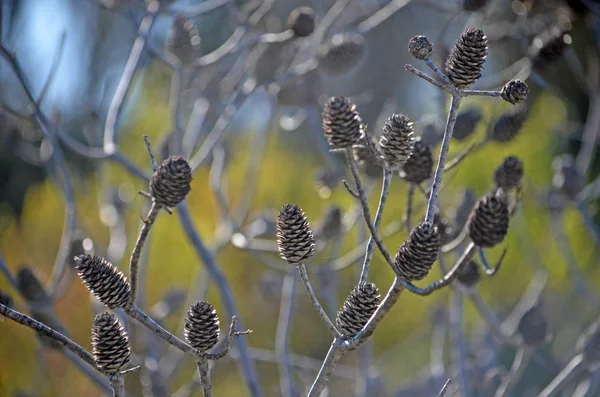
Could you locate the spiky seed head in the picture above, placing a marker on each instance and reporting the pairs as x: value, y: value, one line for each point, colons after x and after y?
x: 533, y: 327
x: 549, y: 47
x: 358, y: 309
x: 465, y: 63
x: 418, y: 252
x: 509, y: 174
x: 342, y: 124
x: 488, y: 223
x: 184, y: 41
x: 302, y: 21
x: 420, y: 47
x: 171, y: 182
x: 103, y: 280
x: 470, y: 274
x: 110, y: 343
x: 332, y: 224
x: 508, y: 126
x: 419, y: 165
x: 397, y: 140
x: 515, y: 91
x: 589, y: 343
x: 294, y: 236
x: 474, y: 5
x: 201, y: 326
x: 340, y: 54
x: 466, y: 123
x: 30, y: 286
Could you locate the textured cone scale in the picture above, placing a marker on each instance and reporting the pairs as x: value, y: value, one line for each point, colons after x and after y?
x: 30, y: 286
x: 466, y: 123
x: 420, y: 47
x: 294, y: 237
x: 357, y: 309
x: 549, y: 48
x: 488, y: 223
x: 589, y: 343
x: 509, y: 174
x: 332, y: 224
x: 533, y: 327
x: 470, y: 275
x: 418, y: 253
x: 341, y: 53
x: 474, y: 5
x: 110, y: 344
x: 201, y: 328
x: 515, y: 91
x: 302, y: 21
x: 419, y: 165
x: 397, y: 140
x: 342, y: 124
x: 171, y: 182
x: 184, y: 40
x: 104, y: 280
x: 507, y: 127
x: 465, y: 63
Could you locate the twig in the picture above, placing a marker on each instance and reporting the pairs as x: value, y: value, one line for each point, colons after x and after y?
x: 334, y: 355
x: 137, y: 250
x: 481, y: 93
x: 458, y: 159
x: 126, y: 78
x: 117, y: 383
x: 445, y: 388
x: 572, y: 368
x: 150, y: 152
x: 315, y: 301
x: 53, y: 69
x: 425, y: 77
x: 491, y: 319
x: 457, y: 339
x: 522, y: 357
x: 282, y: 337
x: 226, y: 344
x: 204, y: 373
x: 490, y: 271
x: 385, y: 188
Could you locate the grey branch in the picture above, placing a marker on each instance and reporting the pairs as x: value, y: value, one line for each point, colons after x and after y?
x: 137, y: 250
x: 204, y: 373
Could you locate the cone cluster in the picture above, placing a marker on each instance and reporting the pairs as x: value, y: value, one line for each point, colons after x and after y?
x: 184, y: 41
x: 466, y: 123
x: 302, y: 21
x: 515, y: 91
x: 533, y: 327
x: 418, y: 253
x: 342, y: 124
x: 103, y: 280
x: 420, y: 47
x: 465, y: 63
x: 341, y: 53
x: 201, y: 327
x: 397, y: 140
x: 357, y: 309
x: 30, y: 286
x: 488, y: 222
x: 470, y: 274
x: 170, y: 183
x: 509, y: 174
x: 294, y: 236
x: 507, y: 127
x: 419, y: 165
x: 110, y: 344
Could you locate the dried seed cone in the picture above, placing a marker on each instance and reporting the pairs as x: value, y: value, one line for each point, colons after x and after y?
x: 470, y: 274
x: 474, y: 5
x: 508, y: 126
x: 533, y: 326
x: 420, y: 47
x: 418, y: 253
x: 465, y: 63
x: 342, y: 124
x: 357, y: 309
x: 294, y: 236
x: 110, y: 344
x: 302, y: 21
x: 547, y: 50
x: 201, y: 328
x: 419, y: 165
x: 509, y: 174
x: 103, y: 280
x: 171, y: 182
x: 184, y: 41
x: 589, y: 343
x: 488, y: 223
x: 397, y: 140
x: 30, y: 286
x: 515, y: 91
x: 341, y: 53
x: 466, y: 123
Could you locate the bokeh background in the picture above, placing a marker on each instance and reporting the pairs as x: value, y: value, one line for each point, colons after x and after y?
x: 273, y: 153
